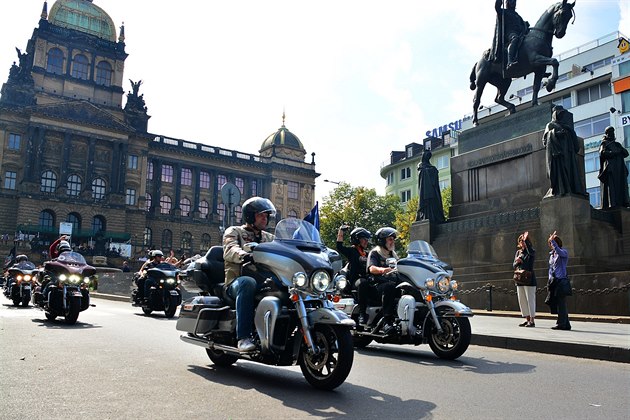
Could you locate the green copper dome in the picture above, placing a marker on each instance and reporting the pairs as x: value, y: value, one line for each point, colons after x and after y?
x: 84, y: 16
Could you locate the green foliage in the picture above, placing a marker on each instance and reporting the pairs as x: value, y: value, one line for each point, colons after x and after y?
x: 447, y: 200
x: 404, y: 219
x: 358, y: 206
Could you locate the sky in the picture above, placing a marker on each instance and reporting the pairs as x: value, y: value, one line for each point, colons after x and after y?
x: 356, y: 79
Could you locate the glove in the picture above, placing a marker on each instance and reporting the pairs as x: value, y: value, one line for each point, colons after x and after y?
x: 248, y: 258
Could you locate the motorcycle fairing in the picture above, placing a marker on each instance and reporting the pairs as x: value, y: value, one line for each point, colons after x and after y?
x: 406, y: 311
x: 265, y: 318
x: 282, y: 259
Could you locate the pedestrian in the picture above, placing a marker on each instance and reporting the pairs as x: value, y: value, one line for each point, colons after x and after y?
x: 558, y: 259
x: 125, y: 267
x: 524, y: 260
x: 5, y: 238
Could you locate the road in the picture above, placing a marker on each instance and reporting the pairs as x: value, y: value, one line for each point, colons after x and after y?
x: 118, y: 364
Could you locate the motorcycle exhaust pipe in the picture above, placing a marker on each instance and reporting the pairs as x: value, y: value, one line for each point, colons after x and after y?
x: 202, y: 342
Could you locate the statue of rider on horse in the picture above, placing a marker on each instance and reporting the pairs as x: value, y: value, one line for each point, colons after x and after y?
x: 510, y: 29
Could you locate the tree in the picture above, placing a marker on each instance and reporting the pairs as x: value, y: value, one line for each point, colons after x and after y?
x: 447, y: 200
x: 404, y: 219
x: 358, y: 206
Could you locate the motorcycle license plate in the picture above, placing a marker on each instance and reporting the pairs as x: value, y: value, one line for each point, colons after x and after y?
x: 27, y: 287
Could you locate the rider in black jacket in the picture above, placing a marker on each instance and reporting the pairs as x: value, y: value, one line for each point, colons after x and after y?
x: 357, y: 261
x: 382, y: 275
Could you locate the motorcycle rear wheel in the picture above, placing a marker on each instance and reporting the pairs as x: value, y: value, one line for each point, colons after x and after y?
x: 330, y: 367
x: 454, y: 339
x: 220, y: 358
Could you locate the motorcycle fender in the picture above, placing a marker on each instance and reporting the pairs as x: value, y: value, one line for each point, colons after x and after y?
x: 76, y: 293
x: 451, y: 308
x: 265, y: 318
x: 331, y: 317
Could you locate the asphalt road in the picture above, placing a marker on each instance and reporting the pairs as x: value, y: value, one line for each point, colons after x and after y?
x: 116, y: 363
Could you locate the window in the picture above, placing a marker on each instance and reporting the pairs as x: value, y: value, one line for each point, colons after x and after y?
x: 444, y: 184
x: 564, y: 101
x: 204, y: 209
x: 186, y: 176
x: 130, y: 197
x: 238, y: 214
x: 49, y: 182
x: 98, y: 189
x: 409, y: 151
x: 405, y: 173
x: 147, y: 238
x: 595, y: 196
x: 55, y: 61
x: 167, y: 173
x: 14, y: 141
x: 221, y: 211
x: 184, y: 206
x: 442, y: 162
x: 167, y: 239
x: 73, y: 186
x: 221, y: 181
x: 292, y: 213
x: 75, y: 219
x: 186, y: 244
x: 205, y: 241
x: 390, y: 178
x: 47, y: 219
x: 165, y: 204
x: 405, y: 196
x: 98, y: 224
x: 254, y: 188
x: 591, y: 162
x: 593, y: 93
x: 10, y: 179
x: 240, y: 184
x: 150, y: 171
x: 592, y: 126
x: 148, y: 200
x: 292, y: 190
x: 80, y: 67
x: 204, y: 180
x: 132, y: 162
x: 104, y: 73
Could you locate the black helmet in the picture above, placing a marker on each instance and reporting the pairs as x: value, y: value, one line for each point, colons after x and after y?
x: 383, y: 233
x: 255, y: 205
x: 358, y: 233
x: 21, y: 258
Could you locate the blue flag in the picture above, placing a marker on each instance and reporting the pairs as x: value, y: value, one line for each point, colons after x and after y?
x: 313, y: 216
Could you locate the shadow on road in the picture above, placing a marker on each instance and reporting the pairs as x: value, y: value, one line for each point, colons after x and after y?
x: 289, y: 386
x: 59, y: 324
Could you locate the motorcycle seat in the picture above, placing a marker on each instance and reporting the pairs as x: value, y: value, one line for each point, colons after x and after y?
x: 210, y: 272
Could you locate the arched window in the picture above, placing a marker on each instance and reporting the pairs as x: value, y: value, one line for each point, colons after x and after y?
x: 221, y: 181
x: 204, y: 209
x: 74, y: 185
x: 165, y: 204
x: 292, y: 213
x: 98, y: 224
x: 98, y: 188
x: 80, y: 66
x: 47, y: 219
x: 75, y: 219
x: 55, y: 61
x: 221, y: 211
x: 104, y: 73
x: 49, y: 182
x: 147, y: 239
x: 148, y: 201
x: 205, y: 241
x: 184, y: 205
x: 238, y: 214
x: 187, y: 242
x: 240, y: 183
x: 167, y: 240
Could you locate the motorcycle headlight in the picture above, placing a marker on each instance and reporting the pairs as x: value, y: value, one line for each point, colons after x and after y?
x: 161, y: 281
x: 321, y: 280
x: 429, y: 283
x: 444, y: 284
x: 300, y: 279
x: 19, y: 277
x: 170, y: 280
x: 341, y: 281
x: 74, y: 278
x: 63, y: 277
x: 27, y: 277
x: 454, y: 285
x: 86, y: 280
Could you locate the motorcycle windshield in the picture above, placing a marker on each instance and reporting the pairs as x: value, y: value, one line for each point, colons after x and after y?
x: 164, y: 266
x: 422, y: 250
x: 71, y: 257
x: 297, y: 230
x: 25, y: 266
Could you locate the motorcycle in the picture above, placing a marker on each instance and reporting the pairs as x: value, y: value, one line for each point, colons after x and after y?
x: 65, y: 287
x: 164, y: 295
x: 21, y: 279
x: 294, y: 321
x: 427, y: 310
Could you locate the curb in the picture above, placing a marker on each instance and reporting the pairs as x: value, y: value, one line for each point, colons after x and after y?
x: 117, y: 298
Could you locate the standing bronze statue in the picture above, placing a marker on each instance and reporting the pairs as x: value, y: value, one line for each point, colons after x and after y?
x: 562, y: 151
x: 533, y: 56
x: 613, y: 172
x: 429, y: 195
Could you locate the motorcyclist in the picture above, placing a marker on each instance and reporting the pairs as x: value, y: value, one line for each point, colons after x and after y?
x: 256, y: 213
x: 58, y: 247
x: 143, y: 281
x: 10, y: 280
x: 382, y: 274
x: 357, y: 261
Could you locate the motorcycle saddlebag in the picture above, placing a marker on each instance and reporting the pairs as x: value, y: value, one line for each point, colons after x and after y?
x: 199, y: 315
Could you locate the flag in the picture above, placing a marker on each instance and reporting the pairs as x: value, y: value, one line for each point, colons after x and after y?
x: 313, y: 216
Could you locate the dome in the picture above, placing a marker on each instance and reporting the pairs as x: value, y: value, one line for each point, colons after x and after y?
x: 84, y: 16
x: 282, y: 137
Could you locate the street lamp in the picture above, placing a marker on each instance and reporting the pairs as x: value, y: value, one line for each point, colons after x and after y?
x: 332, y: 182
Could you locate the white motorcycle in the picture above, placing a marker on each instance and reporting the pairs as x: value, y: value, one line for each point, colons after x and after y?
x: 428, y: 310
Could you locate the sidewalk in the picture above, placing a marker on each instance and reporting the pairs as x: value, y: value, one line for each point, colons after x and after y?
x: 600, y: 337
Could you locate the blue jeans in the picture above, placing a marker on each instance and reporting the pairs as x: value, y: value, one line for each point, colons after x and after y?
x: 243, y: 289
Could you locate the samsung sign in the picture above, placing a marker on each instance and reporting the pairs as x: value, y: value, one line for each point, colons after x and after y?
x: 439, y: 131
x: 625, y: 120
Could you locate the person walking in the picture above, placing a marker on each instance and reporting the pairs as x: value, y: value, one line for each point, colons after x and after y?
x: 524, y: 260
x: 558, y: 259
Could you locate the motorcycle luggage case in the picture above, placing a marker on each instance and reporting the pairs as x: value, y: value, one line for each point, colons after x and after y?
x: 199, y: 315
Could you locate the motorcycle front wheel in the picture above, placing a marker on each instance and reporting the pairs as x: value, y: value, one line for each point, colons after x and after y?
x: 330, y: 367
x: 73, y: 312
x: 454, y: 339
x: 170, y: 306
x: 26, y: 299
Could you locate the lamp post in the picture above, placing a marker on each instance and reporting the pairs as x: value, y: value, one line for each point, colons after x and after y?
x: 332, y: 182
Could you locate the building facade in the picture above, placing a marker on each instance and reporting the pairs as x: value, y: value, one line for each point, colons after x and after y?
x: 70, y: 152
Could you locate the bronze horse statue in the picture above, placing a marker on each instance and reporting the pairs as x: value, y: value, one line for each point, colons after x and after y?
x: 534, y: 55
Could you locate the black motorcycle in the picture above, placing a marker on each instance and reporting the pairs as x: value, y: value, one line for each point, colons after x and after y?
x: 164, y: 295
x: 21, y: 280
x: 294, y: 321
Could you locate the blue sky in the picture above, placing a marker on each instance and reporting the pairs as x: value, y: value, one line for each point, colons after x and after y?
x: 357, y: 79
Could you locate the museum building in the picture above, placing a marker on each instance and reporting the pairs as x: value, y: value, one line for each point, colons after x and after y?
x: 71, y: 152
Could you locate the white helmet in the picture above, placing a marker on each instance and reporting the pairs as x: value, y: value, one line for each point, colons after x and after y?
x: 63, y: 247
x: 156, y: 253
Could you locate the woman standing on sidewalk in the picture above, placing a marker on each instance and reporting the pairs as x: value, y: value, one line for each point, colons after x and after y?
x: 524, y: 260
x: 558, y: 259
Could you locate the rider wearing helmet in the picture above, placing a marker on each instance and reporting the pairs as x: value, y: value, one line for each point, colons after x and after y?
x: 59, y: 246
x: 256, y: 214
x: 144, y: 283
x: 381, y: 273
x: 21, y: 258
x: 357, y: 261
